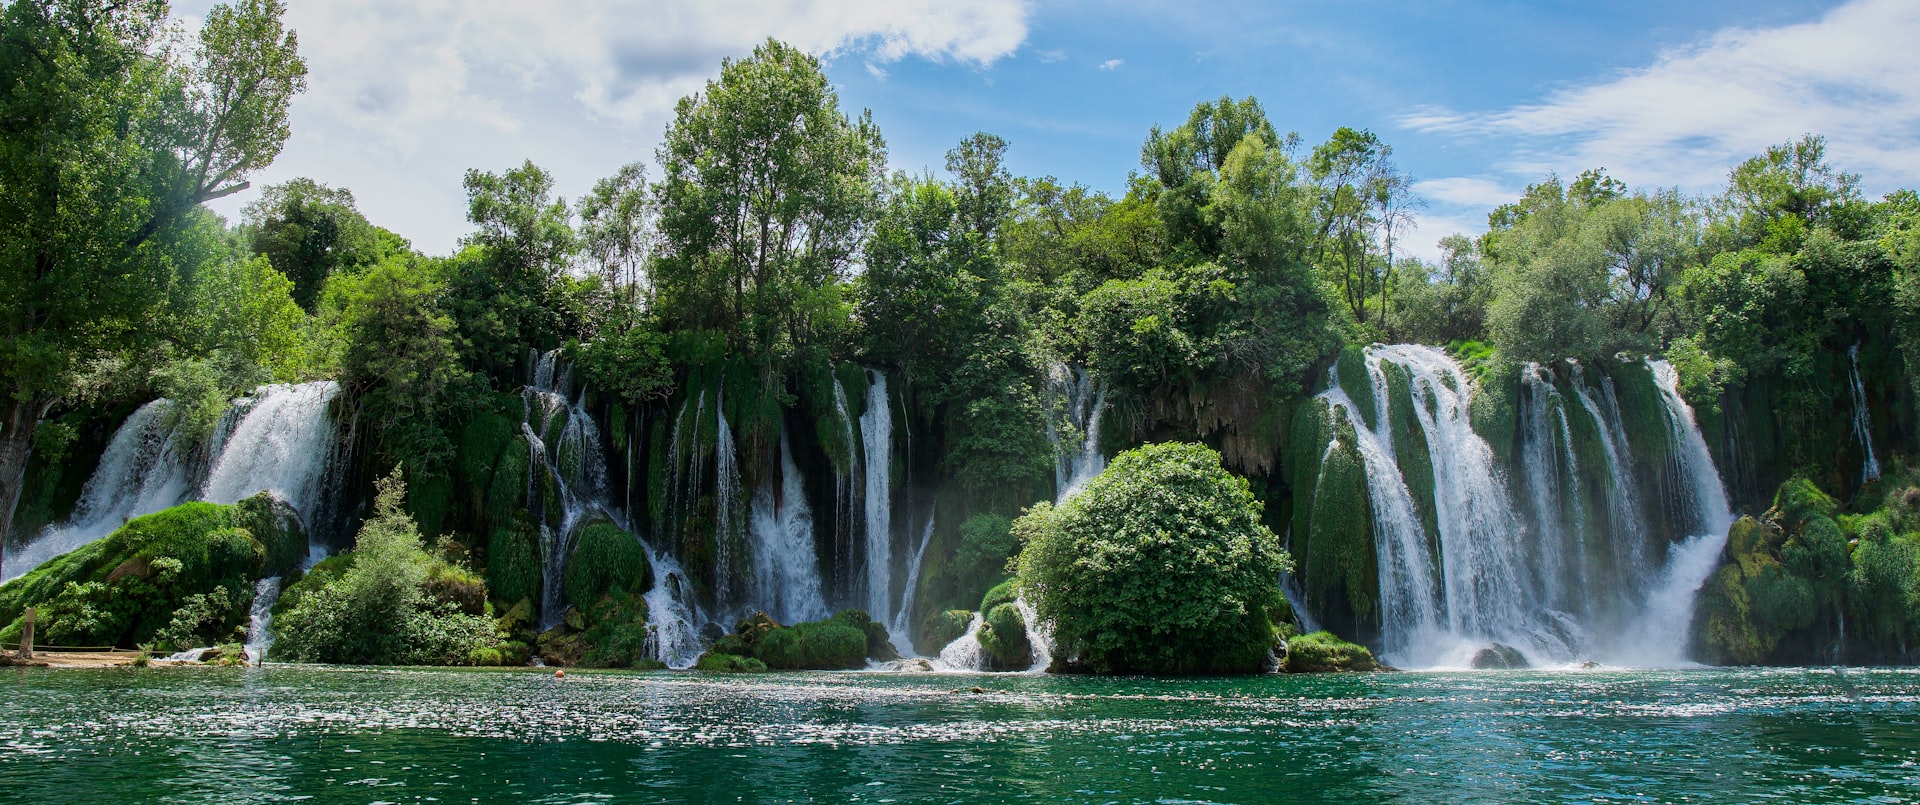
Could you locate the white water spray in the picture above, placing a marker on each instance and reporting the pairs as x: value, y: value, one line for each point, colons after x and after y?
x: 786, y: 572
x: 1862, y: 422
x: 876, y: 437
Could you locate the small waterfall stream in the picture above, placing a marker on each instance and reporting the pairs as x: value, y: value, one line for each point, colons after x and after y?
x: 266, y: 592
x: 900, y: 625
x: 1862, y: 422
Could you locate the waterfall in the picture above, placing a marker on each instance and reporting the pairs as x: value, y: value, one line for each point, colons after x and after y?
x: 786, y: 573
x: 1862, y: 423
x: 1627, y: 525
x: 673, y: 631
x: 279, y: 440
x: 260, y: 619
x: 1667, y: 618
x: 1559, y: 525
x: 279, y: 445
x: 1410, y: 604
x: 901, y: 625
x: 876, y: 438
x: 1038, y: 636
x: 1077, y: 401
x: 965, y: 652
x: 567, y: 484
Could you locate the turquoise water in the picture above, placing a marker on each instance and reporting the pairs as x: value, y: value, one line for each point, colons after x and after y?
x: 338, y: 735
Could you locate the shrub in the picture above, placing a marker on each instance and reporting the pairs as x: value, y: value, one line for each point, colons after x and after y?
x: 380, y: 609
x: 1160, y: 566
x: 513, y: 560
x: 946, y: 626
x: 1322, y: 652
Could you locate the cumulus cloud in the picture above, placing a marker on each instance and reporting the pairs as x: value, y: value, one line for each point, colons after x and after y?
x: 391, y: 67
x: 1683, y: 120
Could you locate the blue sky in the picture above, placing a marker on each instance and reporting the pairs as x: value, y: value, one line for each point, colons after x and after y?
x: 1477, y: 98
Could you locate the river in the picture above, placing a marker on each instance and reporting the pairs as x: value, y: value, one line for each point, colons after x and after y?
x: 387, y: 735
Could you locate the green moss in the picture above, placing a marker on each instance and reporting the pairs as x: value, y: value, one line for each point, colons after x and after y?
x: 1339, y: 563
x: 945, y: 626
x: 1004, y: 636
x: 1003, y: 593
x: 1323, y: 652
x: 124, y: 588
x: 278, y: 530
x: 1357, y: 382
x: 513, y: 560
x: 1494, y: 409
x: 1410, y: 445
x: 617, y: 634
x: 429, y: 498
x: 729, y: 664
x: 1798, y: 499
x: 482, y: 442
x: 605, y: 559
x: 507, y: 492
x: 853, y: 380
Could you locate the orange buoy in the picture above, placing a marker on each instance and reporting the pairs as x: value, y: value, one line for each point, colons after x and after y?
x: 560, y: 674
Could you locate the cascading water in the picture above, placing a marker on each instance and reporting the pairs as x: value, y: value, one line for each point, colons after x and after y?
x: 266, y: 592
x: 569, y: 472
x: 1489, y: 580
x: 1626, y: 523
x: 1078, y: 402
x: 279, y: 440
x: 786, y: 573
x: 843, y: 493
x: 1547, y: 466
x: 876, y: 439
x: 1410, y: 605
x: 1667, y: 617
x: 726, y: 520
x: 900, y: 625
x: 280, y: 445
x: 1862, y: 422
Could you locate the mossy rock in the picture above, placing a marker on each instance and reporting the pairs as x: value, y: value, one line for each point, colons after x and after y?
x: 837, y: 643
x: 562, y: 646
x: 1323, y: 652
x: 945, y: 626
x: 729, y: 664
x: 1004, y: 637
x: 429, y: 499
x: 139, y: 575
x: 1352, y: 375
x: 606, y: 559
x: 617, y: 633
x: 276, y: 525
x: 1005, y: 592
x: 457, y: 586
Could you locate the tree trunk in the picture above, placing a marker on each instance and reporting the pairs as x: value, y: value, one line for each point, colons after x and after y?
x: 17, y: 421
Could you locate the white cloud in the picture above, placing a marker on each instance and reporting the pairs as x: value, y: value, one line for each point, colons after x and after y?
x: 1051, y: 56
x: 1697, y: 110
x: 1465, y: 191
x: 879, y: 73
x: 1422, y: 237
x: 404, y: 96
x: 1112, y: 64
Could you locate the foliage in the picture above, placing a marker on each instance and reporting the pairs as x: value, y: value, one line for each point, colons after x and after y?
x: 605, y: 559
x: 986, y: 543
x: 765, y: 188
x: 1161, y: 565
x: 1323, y: 652
x: 379, y: 610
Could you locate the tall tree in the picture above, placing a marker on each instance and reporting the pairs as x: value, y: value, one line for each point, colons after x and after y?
x: 308, y: 230
x: 766, y: 191
x: 107, y: 140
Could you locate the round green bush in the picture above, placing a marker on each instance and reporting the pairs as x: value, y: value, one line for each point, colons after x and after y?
x: 941, y: 628
x: 1161, y: 565
x: 1322, y: 652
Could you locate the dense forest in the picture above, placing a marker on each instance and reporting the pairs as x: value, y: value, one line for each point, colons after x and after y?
x: 763, y: 376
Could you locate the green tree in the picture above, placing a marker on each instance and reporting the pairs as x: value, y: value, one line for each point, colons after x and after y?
x: 508, y: 291
x: 107, y: 141
x: 1161, y: 565
x: 308, y: 231
x: 766, y: 189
